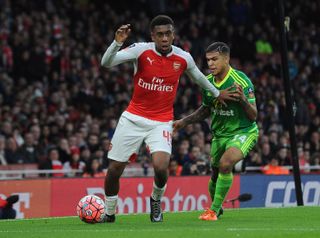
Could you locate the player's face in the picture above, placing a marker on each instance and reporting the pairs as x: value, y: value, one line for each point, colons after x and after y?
x: 217, y: 62
x: 163, y: 37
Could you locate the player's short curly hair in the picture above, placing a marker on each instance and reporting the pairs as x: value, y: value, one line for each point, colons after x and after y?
x: 161, y: 20
x: 220, y: 47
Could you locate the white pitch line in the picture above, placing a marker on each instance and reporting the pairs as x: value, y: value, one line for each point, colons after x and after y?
x: 162, y: 230
x: 89, y: 230
x: 273, y: 229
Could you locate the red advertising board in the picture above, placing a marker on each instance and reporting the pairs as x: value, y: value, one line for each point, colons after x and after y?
x: 34, y: 197
x: 59, y: 197
x: 66, y: 194
x: 182, y: 194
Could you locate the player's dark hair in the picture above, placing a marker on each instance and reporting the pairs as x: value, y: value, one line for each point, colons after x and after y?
x: 220, y: 47
x: 161, y: 20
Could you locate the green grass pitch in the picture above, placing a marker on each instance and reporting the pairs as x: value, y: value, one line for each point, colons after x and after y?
x: 258, y: 223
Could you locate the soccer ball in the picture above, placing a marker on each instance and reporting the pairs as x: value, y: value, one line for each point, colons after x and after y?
x: 91, y: 209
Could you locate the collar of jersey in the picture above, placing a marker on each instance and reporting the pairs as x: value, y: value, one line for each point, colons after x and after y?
x: 158, y: 53
x: 223, y: 80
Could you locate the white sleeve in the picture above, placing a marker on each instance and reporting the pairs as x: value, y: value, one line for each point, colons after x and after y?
x: 195, y: 75
x: 113, y: 56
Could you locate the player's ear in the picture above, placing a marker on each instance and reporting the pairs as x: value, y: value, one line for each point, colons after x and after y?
x: 227, y: 58
x: 152, y: 36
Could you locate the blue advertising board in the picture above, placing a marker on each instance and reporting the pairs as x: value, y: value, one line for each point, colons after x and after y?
x: 279, y: 191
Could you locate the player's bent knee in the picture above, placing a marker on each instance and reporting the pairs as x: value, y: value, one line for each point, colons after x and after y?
x: 225, y: 166
x: 161, y: 168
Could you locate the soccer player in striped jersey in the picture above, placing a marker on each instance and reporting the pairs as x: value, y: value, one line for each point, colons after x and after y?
x: 234, y: 129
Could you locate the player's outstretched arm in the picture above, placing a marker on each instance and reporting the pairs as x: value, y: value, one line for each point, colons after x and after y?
x: 222, y: 96
x: 113, y: 56
x: 195, y: 75
x: 200, y: 114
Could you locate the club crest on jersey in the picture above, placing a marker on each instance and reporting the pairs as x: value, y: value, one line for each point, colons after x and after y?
x: 216, y: 104
x: 250, y: 92
x: 176, y: 65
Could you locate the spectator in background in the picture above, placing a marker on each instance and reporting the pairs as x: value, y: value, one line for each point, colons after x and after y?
x: 93, y: 143
x: 239, y: 12
x: 195, y: 153
x: 315, y: 161
x: 85, y: 155
x: 274, y: 168
x: 54, y: 162
x: 283, y: 156
x: 6, y: 128
x: 7, y: 56
x: 174, y: 168
x: 35, y: 130
x: 189, y: 165
x: 11, y: 151
x: 266, y: 154
x: 304, y: 160
x: 273, y: 141
x: 263, y: 46
x: 64, y: 151
x: 3, y: 159
x: 28, y: 152
x: 75, y: 163
x: 112, y: 127
x: 198, y: 167
x: 254, y: 159
x: 315, y: 142
x: 99, y: 155
x: 95, y: 170
x: 182, y: 155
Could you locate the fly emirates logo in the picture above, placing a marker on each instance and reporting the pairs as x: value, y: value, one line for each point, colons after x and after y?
x: 155, y: 85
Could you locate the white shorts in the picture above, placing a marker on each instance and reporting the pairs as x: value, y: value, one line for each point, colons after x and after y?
x: 132, y: 130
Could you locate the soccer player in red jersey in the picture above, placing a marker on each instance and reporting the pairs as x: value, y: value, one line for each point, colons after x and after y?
x: 158, y: 66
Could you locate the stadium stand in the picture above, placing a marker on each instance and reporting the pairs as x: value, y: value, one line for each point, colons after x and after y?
x: 55, y: 97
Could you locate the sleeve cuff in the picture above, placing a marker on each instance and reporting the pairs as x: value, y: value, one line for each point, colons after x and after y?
x: 117, y: 43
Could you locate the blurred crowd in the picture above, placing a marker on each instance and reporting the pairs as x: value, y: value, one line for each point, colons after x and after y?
x: 59, y: 108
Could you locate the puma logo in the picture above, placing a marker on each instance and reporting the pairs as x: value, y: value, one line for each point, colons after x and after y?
x: 150, y: 60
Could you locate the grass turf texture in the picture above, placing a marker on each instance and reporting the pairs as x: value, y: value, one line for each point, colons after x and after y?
x: 258, y: 223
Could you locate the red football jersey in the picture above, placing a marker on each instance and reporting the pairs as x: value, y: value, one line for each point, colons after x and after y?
x: 156, y: 79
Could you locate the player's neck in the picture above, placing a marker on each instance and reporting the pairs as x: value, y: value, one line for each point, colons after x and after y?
x: 219, y: 77
x: 164, y: 53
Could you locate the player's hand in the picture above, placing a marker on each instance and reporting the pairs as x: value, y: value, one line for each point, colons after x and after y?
x: 177, y: 125
x: 228, y: 94
x: 241, y: 97
x: 122, y: 33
